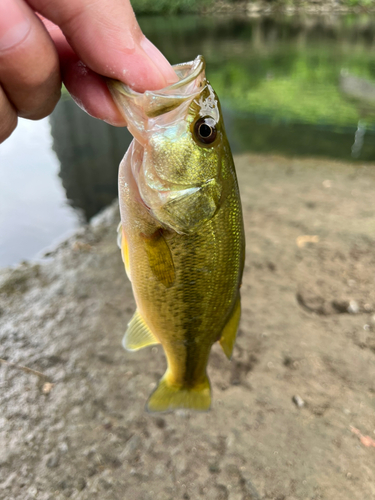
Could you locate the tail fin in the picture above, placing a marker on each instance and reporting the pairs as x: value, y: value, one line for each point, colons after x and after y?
x: 171, y: 397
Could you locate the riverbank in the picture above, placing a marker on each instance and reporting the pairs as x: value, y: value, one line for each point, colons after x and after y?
x: 255, y: 7
x: 291, y: 411
x: 290, y: 7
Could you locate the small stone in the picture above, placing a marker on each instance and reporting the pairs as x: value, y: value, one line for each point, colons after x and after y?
x: 81, y: 483
x: 63, y: 447
x: 298, y: 401
x: 91, y: 471
x: 52, y: 461
x: 106, y: 485
x: 180, y: 465
x: 32, y: 491
x: 160, y: 422
x: 214, y: 468
x: 181, y: 413
x: 353, y: 307
x: 131, y: 447
x: 47, y: 388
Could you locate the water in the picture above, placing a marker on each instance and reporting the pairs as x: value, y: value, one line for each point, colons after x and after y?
x: 291, y: 86
x: 33, y: 208
x: 55, y: 175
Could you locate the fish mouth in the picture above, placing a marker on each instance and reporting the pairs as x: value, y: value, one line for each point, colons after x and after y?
x: 153, y: 103
x: 187, y: 72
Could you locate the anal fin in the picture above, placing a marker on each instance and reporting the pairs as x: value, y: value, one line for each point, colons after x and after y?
x: 138, y: 334
x: 229, y: 333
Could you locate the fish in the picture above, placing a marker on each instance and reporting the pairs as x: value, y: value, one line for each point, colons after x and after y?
x: 181, y: 233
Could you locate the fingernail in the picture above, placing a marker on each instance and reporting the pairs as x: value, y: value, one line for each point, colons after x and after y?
x: 160, y: 61
x: 14, y: 24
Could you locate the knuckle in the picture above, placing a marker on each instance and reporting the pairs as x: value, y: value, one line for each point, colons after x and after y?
x: 7, y: 125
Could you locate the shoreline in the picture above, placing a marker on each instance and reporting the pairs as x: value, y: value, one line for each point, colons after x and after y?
x: 263, y: 8
x: 257, y: 7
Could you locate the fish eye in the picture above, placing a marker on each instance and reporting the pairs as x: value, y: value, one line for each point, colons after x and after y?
x: 205, y: 130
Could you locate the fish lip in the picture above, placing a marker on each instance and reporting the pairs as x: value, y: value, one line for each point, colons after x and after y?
x: 194, y: 69
x: 197, y: 66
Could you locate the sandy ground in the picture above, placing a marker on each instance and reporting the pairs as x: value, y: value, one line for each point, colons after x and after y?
x: 307, y: 332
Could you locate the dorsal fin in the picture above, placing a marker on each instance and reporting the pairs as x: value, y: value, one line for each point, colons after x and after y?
x: 138, y: 334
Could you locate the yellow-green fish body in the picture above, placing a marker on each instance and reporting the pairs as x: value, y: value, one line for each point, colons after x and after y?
x: 182, y: 232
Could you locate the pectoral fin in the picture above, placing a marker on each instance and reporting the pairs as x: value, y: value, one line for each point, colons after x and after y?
x: 160, y: 258
x: 228, y: 335
x: 138, y: 334
x: 123, y: 245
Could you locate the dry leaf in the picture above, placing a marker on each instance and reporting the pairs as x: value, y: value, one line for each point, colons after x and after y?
x: 306, y: 238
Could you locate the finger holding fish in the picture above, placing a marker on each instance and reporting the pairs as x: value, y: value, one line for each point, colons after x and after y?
x: 96, y: 40
x: 79, y: 42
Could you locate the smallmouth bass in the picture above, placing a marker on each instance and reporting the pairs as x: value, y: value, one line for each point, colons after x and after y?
x: 181, y: 233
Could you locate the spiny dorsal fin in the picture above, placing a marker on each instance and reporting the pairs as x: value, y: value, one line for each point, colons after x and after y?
x: 138, y: 334
x: 228, y: 335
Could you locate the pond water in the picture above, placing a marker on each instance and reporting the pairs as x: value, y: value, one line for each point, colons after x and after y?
x: 291, y: 86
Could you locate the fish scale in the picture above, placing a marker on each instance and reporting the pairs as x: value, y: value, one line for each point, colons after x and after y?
x: 182, y: 234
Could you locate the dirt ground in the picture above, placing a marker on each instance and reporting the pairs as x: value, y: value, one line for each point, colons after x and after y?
x: 293, y: 413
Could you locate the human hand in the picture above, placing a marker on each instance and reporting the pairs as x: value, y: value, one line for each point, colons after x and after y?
x: 77, y: 42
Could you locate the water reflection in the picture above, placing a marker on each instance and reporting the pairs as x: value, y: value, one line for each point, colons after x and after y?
x: 33, y: 212
x: 282, y: 86
x: 281, y: 79
x: 297, y: 86
x: 89, y: 152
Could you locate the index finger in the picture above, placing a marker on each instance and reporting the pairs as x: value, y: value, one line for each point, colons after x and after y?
x: 106, y: 36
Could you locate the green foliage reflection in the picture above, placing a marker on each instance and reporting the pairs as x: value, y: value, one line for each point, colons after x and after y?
x: 286, y: 68
x: 168, y: 6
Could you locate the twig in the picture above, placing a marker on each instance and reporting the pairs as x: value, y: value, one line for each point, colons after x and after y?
x: 24, y: 368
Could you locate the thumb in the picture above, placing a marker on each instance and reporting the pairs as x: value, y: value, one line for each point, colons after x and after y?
x: 107, y: 38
